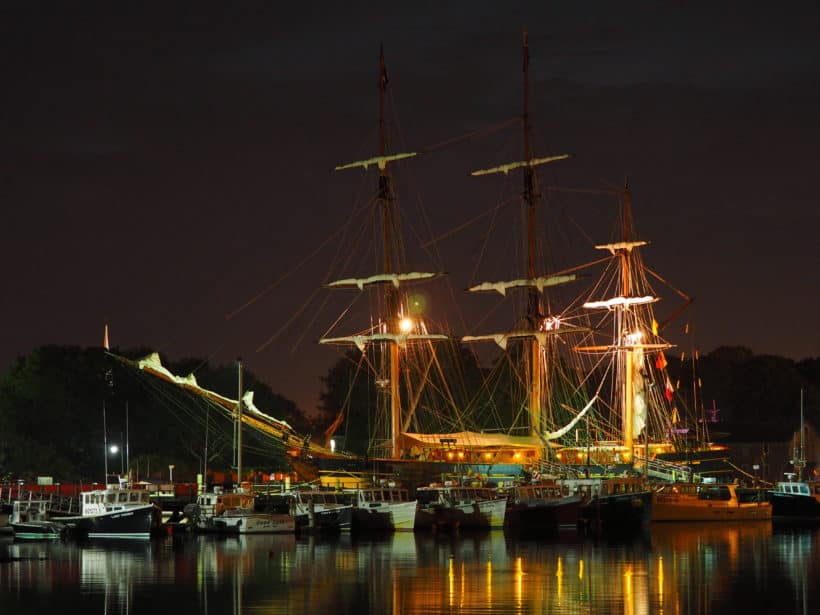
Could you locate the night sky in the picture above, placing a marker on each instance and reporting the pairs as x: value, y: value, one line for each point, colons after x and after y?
x: 163, y: 167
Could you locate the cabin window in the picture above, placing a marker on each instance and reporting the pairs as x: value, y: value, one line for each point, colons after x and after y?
x: 715, y: 493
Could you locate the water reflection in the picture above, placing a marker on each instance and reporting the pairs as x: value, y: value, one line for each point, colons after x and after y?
x: 676, y: 568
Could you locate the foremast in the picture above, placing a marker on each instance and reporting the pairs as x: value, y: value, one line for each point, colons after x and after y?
x: 537, y: 326
x: 396, y: 329
x: 631, y: 337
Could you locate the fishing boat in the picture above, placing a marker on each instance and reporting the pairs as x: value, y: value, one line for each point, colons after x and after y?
x: 543, y: 506
x: 710, y: 502
x: 385, y: 506
x: 454, y: 507
x: 795, y: 500
x: 321, y: 510
x: 612, y: 505
x: 235, y: 513
x: 117, y: 511
x: 30, y: 520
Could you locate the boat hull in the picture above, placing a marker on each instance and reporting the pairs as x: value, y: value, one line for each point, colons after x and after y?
x: 545, y: 516
x: 255, y: 523
x: 137, y: 522
x: 385, y: 516
x: 478, y: 515
x: 616, y: 513
x: 670, y: 508
x: 794, y: 507
x: 37, y: 530
x: 330, y: 520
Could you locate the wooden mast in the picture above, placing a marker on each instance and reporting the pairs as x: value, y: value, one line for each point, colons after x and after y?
x: 626, y: 355
x: 534, y: 315
x: 391, y: 304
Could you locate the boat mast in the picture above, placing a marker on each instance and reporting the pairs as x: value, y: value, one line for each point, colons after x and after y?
x: 533, y: 302
x: 535, y: 332
x: 800, y: 453
x: 387, y: 202
x: 626, y: 353
x: 239, y: 424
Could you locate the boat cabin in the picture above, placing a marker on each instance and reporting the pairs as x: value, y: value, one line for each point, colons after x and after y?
x: 110, y: 500
x: 26, y: 511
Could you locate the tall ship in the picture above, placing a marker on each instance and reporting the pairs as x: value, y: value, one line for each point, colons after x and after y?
x: 580, y: 389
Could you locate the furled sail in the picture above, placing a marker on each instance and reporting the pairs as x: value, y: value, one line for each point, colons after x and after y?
x: 511, y: 166
x: 383, y: 278
x: 400, y: 339
x: 554, y: 435
x: 540, y: 283
x: 502, y: 339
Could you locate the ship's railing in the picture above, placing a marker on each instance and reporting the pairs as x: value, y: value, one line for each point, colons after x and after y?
x: 55, y: 503
x: 666, y: 470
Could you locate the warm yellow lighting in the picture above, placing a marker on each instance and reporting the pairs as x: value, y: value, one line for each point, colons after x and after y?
x: 461, y: 454
x: 558, y: 456
x: 517, y: 456
x: 450, y: 455
x: 488, y: 455
x: 406, y: 325
x: 579, y: 455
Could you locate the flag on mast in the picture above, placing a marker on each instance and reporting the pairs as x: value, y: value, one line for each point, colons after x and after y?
x: 105, y: 338
x: 669, y: 390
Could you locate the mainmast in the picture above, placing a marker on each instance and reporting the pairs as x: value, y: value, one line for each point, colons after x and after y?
x: 387, y: 202
x: 394, y: 329
x: 537, y: 326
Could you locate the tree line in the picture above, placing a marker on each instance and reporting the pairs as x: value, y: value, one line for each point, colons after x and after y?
x: 53, y: 402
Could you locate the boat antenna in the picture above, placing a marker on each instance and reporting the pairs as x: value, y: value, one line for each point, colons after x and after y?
x: 239, y: 425
x: 105, y: 446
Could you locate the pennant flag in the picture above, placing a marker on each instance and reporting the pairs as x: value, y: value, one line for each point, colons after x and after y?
x: 675, y: 417
x: 654, y: 327
x: 660, y: 362
x: 669, y: 390
x: 105, y: 338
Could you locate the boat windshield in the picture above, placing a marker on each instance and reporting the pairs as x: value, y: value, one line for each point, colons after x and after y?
x: 720, y: 492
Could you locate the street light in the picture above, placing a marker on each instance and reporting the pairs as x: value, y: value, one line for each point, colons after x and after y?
x: 114, y: 449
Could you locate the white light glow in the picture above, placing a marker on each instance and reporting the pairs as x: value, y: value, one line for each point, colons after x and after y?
x: 406, y: 325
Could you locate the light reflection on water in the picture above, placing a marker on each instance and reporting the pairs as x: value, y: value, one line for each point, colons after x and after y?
x: 675, y: 568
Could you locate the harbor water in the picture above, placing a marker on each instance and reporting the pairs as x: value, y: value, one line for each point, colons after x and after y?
x: 751, y: 567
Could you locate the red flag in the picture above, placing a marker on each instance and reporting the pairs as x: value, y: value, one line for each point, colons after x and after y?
x: 669, y: 390
x: 660, y: 362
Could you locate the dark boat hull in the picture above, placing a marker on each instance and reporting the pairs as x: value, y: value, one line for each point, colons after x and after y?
x: 795, y: 508
x: 139, y: 522
x: 326, y: 521
x: 545, y: 517
x: 617, y: 513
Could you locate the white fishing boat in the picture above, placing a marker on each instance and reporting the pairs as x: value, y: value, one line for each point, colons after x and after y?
x: 383, y: 507
x: 30, y: 520
x: 455, y: 507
